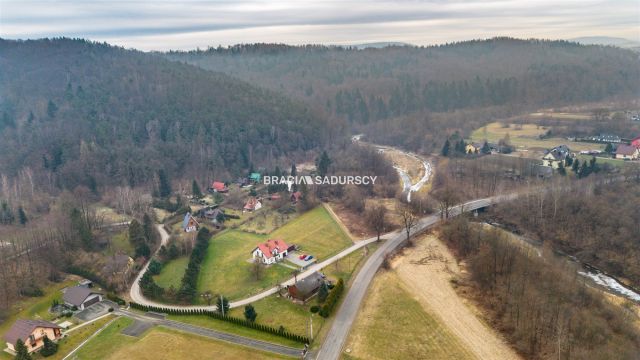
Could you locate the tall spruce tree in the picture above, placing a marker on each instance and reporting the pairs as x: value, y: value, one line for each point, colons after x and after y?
x: 164, y: 184
x: 195, y: 190
x: 21, y: 351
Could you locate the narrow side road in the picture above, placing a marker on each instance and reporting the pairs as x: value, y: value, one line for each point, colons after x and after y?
x: 217, y: 335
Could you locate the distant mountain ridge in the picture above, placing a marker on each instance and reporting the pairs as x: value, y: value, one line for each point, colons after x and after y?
x: 607, y: 41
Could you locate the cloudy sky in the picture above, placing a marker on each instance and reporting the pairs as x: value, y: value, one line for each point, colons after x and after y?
x: 163, y: 24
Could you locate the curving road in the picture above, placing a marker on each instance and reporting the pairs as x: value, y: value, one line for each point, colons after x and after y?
x: 337, y: 335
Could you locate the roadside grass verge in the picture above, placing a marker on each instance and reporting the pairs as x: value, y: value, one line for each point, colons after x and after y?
x: 224, y: 326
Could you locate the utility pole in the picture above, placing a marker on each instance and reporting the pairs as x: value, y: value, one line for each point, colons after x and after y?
x: 222, y: 304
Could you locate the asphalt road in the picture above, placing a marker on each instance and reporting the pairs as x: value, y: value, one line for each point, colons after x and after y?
x: 337, y: 335
x: 213, y: 334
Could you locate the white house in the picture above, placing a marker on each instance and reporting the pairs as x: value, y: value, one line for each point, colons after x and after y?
x: 189, y: 224
x: 271, y: 251
x: 556, y: 156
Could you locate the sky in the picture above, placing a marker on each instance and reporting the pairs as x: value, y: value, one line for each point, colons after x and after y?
x: 184, y: 25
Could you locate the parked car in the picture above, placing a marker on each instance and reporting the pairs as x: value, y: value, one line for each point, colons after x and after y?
x: 301, y: 257
x: 309, y: 257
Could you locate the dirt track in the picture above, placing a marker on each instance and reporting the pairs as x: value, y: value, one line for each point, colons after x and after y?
x: 426, y: 271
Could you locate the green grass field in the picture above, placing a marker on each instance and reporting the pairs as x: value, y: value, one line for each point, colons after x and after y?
x: 315, y: 232
x: 393, y: 325
x: 614, y: 162
x: 161, y: 343
x: 226, y: 268
x: 172, y: 272
x: 275, y: 311
x: 527, y: 136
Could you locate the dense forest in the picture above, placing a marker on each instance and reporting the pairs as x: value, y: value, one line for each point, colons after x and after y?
x: 76, y: 112
x: 407, y: 85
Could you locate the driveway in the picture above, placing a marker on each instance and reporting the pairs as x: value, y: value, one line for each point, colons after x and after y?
x: 96, y: 310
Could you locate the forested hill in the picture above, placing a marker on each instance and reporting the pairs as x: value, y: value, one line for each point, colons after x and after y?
x: 368, y: 85
x: 81, y: 113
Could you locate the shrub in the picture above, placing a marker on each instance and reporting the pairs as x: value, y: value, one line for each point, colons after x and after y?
x: 315, y: 308
x: 332, y: 299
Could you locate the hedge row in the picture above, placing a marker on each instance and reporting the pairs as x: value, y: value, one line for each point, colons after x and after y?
x: 332, y: 299
x: 216, y: 315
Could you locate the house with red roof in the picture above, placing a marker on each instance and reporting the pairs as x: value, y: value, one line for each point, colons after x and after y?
x: 636, y: 142
x: 252, y: 204
x: 271, y: 251
x: 218, y: 186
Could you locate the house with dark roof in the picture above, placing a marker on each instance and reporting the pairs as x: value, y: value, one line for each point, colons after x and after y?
x: 32, y: 333
x: 80, y: 297
x: 271, y: 251
x: 556, y: 156
x: 627, y: 152
x: 306, y: 288
x: 189, y: 223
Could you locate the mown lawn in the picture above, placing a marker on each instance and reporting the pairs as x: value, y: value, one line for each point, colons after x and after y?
x: 315, y: 232
x: 276, y: 311
x: 172, y: 273
x: 393, y: 325
x: 227, y: 270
